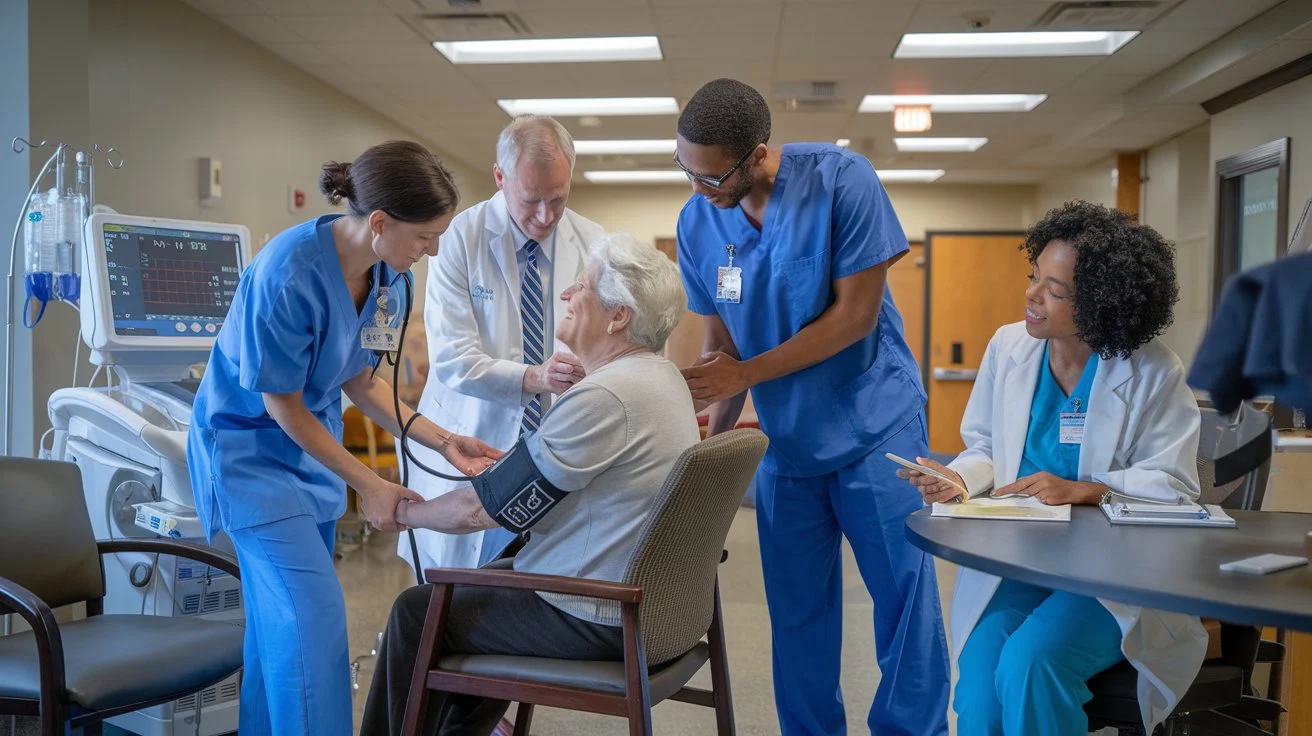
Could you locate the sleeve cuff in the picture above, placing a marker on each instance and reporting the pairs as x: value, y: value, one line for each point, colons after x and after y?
x: 977, y: 474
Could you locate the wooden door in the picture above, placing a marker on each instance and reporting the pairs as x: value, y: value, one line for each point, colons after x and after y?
x: 906, y: 281
x: 976, y: 284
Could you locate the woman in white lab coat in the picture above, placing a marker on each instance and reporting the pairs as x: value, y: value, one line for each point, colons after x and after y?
x: 1078, y: 400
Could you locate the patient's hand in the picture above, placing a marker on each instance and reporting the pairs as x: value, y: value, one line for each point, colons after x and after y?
x: 1054, y: 491
x: 470, y: 455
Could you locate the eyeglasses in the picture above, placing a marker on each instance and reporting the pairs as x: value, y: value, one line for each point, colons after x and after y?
x: 711, y: 181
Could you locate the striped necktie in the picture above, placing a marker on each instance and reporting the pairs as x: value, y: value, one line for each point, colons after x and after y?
x: 530, y: 314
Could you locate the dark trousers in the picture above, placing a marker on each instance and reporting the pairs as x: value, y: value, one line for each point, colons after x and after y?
x: 481, y: 621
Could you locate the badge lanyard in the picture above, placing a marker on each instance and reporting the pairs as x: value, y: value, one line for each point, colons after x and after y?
x: 729, y: 280
x: 381, y: 334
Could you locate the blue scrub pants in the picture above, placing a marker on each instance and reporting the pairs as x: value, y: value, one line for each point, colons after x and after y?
x: 801, y: 522
x: 1023, y: 668
x: 296, y: 678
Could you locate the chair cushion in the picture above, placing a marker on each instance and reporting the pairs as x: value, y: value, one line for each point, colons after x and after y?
x: 1116, y: 698
x: 116, y: 660
x: 663, y: 681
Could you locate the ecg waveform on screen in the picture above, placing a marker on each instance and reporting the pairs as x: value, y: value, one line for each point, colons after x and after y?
x: 174, y: 282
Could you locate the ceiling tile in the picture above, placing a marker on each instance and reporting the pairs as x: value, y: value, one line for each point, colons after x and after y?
x: 1272, y: 57
x: 402, y: 53
x: 619, y: 79
x: 949, y: 17
x: 588, y: 22
x: 725, y: 22
x: 580, y: 4
x: 501, y: 81
x: 852, y: 17
x: 226, y: 7
x: 349, y: 28
x: 322, y: 7
x: 1220, y: 14
x: 836, y: 46
x: 1030, y: 75
x: 1183, y: 114
x: 1046, y: 156
x: 710, y: 49
x: 925, y: 76
x: 261, y: 29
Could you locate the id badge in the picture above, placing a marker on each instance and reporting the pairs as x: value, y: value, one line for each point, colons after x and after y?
x: 380, y: 334
x: 1071, y: 431
x: 729, y: 285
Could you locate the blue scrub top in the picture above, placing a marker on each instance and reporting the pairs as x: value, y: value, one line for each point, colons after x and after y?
x: 828, y: 217
x: 292, y: 326
x: 1044, y: 452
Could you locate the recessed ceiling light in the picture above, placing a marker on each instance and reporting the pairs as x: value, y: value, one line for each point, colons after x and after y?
x: 953, y: 103
x: 638, y: 147
x: 998, y: 45
x: 551, y: 50
x: 939, y: 145
x: 571, y: 107
x: 636, y: 177
x: 844, y: 142
x: 910, y: 175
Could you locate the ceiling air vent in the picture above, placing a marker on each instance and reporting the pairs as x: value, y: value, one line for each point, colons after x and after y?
x: 471, y: 26
x: 810, y: 96
x: 1103, y: 15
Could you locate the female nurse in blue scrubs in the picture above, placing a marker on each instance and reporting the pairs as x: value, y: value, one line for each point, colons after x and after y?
x: 785, y: 250
x: 1079, y: 400
x: 265, y: 454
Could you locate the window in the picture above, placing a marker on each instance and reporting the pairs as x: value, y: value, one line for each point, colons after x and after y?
x: 1252, y: 210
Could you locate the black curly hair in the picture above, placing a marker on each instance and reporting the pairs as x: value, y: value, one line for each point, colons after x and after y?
x: 728, y: 114
x: 1125, y: 284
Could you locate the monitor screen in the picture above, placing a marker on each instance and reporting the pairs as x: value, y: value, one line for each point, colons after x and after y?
x: 170, y: 282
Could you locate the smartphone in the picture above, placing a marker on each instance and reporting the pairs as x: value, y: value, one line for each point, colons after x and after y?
x: 1264, y: 564
x: 928, y: 471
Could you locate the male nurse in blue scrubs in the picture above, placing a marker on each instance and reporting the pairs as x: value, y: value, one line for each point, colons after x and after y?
x: 785, y: 251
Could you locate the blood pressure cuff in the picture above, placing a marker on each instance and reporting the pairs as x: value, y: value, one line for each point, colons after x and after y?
x: 514, y: 492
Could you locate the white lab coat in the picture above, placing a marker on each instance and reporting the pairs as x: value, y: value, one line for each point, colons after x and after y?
x: 1141, y: 438
x: 476, y: 348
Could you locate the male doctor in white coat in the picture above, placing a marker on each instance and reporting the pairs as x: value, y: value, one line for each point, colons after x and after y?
x: 491, y: 317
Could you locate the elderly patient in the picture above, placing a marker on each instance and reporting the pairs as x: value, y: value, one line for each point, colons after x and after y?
x: 606, y: 446
x: 1077, y: 401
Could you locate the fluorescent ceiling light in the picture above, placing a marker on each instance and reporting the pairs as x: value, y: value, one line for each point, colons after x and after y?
x: 636, y: 177
x: 551, y: 50
x: 574, y: 107
x: 953, y: 103
x: 910, y: 175
x: 998, y: 45
x: 939, y: 145
x: 843, y: 142
x: 601, y: 148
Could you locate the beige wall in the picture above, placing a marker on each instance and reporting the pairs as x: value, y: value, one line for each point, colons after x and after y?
x: 170, y: 86
x: 1285, y: 112
x: 1093, y: 183
x: 1176, y: 203
x: 650, y: 212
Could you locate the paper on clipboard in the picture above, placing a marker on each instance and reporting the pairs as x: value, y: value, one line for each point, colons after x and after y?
x: 1014, y: 508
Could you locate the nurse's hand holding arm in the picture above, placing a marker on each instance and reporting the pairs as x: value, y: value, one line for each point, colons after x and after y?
x: 853, y: 315
x: 380, y: 496
x: 373, y: 395
x: 724, y: 413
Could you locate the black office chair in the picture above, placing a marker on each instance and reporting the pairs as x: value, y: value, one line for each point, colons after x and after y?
x: 1234, y: 460
x: 76, y: 674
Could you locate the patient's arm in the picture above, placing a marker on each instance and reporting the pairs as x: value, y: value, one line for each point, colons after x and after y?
x: 457, y: 512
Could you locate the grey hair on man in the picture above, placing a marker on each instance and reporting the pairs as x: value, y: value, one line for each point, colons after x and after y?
x: 642, y: 278
x: 541, y: 138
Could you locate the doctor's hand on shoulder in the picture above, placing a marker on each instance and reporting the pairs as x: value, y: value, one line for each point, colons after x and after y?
x: 469, y: 455
x: 934, y: 490
x: 1054, y: 491
x: 380, y: 501
x: 556, y: 376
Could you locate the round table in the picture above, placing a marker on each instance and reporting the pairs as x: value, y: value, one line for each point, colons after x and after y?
x: 1169, y: 568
